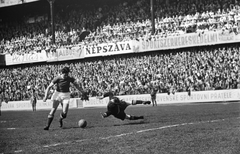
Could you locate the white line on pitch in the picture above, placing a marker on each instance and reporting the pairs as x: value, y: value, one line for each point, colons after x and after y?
x: 18, y: 151
x: 11, y: 128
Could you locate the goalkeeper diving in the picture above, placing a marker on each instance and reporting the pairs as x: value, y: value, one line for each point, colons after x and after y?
x: 116, y: 107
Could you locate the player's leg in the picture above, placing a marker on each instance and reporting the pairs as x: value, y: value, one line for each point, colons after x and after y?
x: 32, y: 106
x: 154, y: 101
x: 135, y: 102
x: 63, y: 115
x: 51, y: 114
x: 31, y: 102
x: 35, y: 104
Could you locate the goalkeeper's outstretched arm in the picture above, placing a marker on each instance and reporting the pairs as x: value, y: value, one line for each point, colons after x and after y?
x: 106, y: 114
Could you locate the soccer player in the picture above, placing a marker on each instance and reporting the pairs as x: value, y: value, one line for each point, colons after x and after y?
x: 61, y: 95
x: 153, y: 94
x: 1, y: 100
x: 33, y: 99
x: 116, y: 107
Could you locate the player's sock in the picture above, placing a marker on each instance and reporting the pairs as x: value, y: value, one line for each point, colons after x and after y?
x: 136, y: 117
x: 50, y: 119
x: 60, y: 122
x: 189, y: 92
x: 63, y: 115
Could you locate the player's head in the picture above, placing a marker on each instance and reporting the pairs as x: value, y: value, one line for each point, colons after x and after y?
x: 65, y: 71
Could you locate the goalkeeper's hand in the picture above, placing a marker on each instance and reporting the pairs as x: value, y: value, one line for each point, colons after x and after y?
x: 104, y: 115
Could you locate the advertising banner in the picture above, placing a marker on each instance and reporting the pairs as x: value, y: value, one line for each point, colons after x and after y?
x: 14, y: 59
x: 179, y: 97
x: 187, y: 40
x: 66, y: 53
x: 26, y: 105
x: 162, y: 98
x: 106, y: 49
x: 4, y: 3
x: 70, y: 53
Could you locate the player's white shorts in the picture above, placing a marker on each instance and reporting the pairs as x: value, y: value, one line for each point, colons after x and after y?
x: 63, y: 97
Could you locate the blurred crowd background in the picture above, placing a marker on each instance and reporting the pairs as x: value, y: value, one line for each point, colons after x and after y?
x: 198, y: 68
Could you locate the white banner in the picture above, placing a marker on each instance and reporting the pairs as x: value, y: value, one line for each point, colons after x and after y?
x: 25, y: 58
x: 4, y: 3
x: 187, y: 40
x: 181, y: 97
x: 65, y: 53
x: 162, y: 98
x: 106, y: 49
x: 200, y: 96
x: 26, y: 105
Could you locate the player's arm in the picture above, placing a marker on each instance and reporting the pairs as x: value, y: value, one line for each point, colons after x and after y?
x: 75, y: 84
x: 105, y: 95
x: 106, y: 114
x: 111, y: 109
x: 47, y: 90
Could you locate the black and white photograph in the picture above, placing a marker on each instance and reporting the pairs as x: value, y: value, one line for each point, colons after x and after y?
x: 119, y: 77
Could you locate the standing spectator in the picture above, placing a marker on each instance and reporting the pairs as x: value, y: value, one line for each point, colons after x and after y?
x: 33, y: 99
x: 1, y: 100
x: 153, y: 94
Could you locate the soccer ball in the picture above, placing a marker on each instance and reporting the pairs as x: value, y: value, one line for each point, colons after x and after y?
x: 82, y: 123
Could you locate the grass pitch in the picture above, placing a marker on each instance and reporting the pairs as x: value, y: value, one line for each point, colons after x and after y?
x: 203, y: 128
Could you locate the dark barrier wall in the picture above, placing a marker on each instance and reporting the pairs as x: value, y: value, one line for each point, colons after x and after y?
x: 2, y: 60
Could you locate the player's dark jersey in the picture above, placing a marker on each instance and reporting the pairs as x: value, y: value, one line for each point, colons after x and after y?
x: 116, y: 107
x: 63, y: 84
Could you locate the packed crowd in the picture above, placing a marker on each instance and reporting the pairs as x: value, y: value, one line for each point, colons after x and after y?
x: 123, y: 21
x: 200, y: 69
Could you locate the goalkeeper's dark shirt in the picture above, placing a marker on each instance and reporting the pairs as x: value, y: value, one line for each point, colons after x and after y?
x: 63, y: 85
x: 115, y: 106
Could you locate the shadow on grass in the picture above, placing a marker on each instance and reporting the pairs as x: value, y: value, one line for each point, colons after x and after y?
x: 132, y: 123
x: 89, y: 127
x: 76, y: 127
